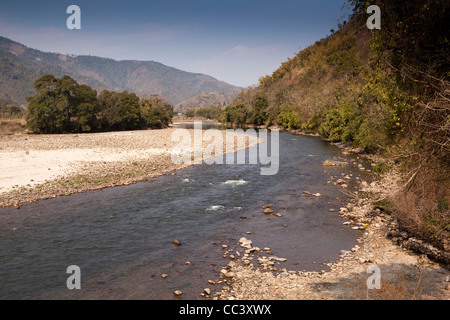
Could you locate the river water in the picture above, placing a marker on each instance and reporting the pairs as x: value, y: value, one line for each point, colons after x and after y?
x: 121, y: 238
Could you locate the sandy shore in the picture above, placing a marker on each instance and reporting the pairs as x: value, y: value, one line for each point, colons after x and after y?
x: 37, y: 167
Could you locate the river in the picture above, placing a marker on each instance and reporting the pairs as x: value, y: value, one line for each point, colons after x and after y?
x: 121, y: 238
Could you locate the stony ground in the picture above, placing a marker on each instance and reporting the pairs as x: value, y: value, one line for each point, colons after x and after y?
x: 36, y: 167
x: 255, y: 274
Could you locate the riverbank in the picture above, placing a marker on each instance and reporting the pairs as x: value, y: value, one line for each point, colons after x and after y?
x: 37, y: 167
x: 404, y: 265
x: 258, y: 275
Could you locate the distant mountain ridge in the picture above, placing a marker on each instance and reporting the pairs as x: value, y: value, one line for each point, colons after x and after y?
x: 209, y: 99
x: 20, y: 66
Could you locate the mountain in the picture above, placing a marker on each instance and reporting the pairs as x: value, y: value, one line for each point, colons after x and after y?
x: 20, y: 66
x: 206, y: 100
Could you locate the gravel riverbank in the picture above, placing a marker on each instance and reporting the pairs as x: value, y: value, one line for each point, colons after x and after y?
x: 257, y: 274
x: 404, y: 274
x: 36, y: 167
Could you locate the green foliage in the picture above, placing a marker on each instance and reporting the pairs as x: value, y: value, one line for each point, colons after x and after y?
x: 9, y: 110
x: 204, y: 112
x: 120, y: 111
x: 435, y: 226
x: 62, y: 105
x: 443, y: 205
x: 157, y: 113
x: 341, y: 123
x: 236, y: 115
x: 53, y: 106
x: 370, y: 136
x: 288, y: 117
x: 258, y: 114
x: 190, y: 113
x: 381, y: 167
x: 345, y: 63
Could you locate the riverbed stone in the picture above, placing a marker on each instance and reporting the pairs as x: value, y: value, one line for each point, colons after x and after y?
x: 177, y: 293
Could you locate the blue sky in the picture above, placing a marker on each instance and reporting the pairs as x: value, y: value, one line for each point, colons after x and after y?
x: 233, y: 41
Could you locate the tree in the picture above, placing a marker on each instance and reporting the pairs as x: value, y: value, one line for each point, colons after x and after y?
x: 47, y: 109
x: 259, y: 114
x: 62, y: 105
x: 156, y: 112
x: 120, y: 111
x: 86, y: 110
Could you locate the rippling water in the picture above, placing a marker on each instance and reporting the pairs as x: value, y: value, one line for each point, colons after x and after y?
x: 121, y: 238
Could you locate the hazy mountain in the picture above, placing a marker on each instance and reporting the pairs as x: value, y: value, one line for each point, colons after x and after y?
x: 206, y: 100
x: 20, y: 66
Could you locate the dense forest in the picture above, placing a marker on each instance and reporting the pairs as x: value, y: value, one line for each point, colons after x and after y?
x: 386, y: 91
x: 63, y: 105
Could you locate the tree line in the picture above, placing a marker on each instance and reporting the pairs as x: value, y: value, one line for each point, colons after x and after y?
x: 64, y: 106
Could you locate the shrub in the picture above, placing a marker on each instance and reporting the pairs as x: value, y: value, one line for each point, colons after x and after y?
x: 288, y: 117
x: 341, y: 123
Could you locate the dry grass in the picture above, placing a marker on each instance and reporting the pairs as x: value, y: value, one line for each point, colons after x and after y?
x: 395, y: 285
x: 423, y: 207
x: 11, y: 126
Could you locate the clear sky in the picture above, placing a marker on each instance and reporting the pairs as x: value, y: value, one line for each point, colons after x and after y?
x: 234, y: 41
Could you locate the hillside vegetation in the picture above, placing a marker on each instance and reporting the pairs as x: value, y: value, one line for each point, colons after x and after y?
x: 386, y: 91
x: 206, y: 100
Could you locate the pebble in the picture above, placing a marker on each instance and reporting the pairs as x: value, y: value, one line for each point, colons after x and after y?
x: 278, y: 259
x: 177, y: 293
x: 245, y: 243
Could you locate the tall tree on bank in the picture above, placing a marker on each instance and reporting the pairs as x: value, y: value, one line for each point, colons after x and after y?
x: 50, y: 110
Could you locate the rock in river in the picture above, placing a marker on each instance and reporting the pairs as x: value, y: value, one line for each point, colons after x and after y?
x: 245, y: 243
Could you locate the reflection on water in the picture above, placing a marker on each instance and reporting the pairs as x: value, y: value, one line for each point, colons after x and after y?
x: 121, y: 238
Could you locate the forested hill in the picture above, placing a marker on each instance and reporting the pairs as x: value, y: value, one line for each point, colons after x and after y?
x: 21, y: 66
